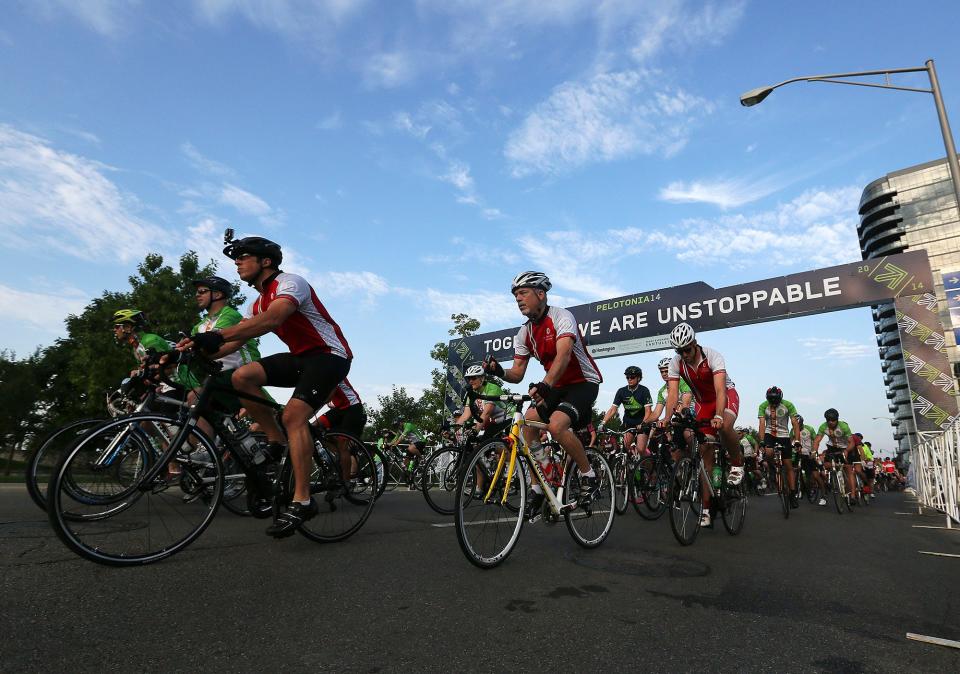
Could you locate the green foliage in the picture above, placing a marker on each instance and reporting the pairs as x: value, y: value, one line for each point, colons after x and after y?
x: 77, y: 371
x: 394, y: 410
x: 432, y: 402
x: 21, y: 386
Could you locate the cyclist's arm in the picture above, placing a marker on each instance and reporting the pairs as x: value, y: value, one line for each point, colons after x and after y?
x: 673, y: 392
x: 655, y: 413
x: 796, y: 428
x: 816, y: 443
x: 609, y: 415
x: 762, y: 427
x: 516, y: 373
x: 486, y: 414
x: 559, y: 366
x: 467, y: 414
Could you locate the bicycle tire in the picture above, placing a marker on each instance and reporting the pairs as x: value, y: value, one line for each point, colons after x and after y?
x: 48, y: 453
x: 783, y: 489
x: 837, y: 488
x: 440, y: 479
x: 685, y: 504
x: 234, y: 487
x: 477, y: 516
x: 620, y: 485
x: 157, y: 520
x: 734, y: 511
x: 346, y: 504
x: 590, y: 523
x: 638, y: 479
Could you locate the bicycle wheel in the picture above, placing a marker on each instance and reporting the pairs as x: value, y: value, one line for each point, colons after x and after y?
x: 646, y: 494
x: 620, y: 484
x: 589, y: 523
x: 685, y: 504
x: 344, y: 504
x: 783, y: 489
x: 395, y: 474
x: 45, y: 458
x: 131, y: 522
x: 734, y: 510
x: 382, y: 464
x: 489, y: 512
x: 836, y: 486
x: 440, y: 479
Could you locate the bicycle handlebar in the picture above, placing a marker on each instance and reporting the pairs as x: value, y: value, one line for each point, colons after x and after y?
x: 506, y: 398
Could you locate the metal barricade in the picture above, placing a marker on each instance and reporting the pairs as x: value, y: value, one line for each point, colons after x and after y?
x: 936, y: 464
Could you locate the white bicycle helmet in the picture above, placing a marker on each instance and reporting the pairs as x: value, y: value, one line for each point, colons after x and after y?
x: 663, y: 364
x: 474, y: 371
x: 682, y: 335
x: 531, y: 279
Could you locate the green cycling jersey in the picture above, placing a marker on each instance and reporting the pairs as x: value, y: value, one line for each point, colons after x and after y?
x: 500, y: 409
x: 836, y: 437
x: 226, y: 317
x: 777, y: 417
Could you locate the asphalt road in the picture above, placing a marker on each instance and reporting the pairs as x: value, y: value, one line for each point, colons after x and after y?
x: 816, y: 593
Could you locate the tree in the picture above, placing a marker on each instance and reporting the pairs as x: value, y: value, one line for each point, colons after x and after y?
x: 88, y: 362
x: 21, y: 385
x: 395, y: 409
x: 432, y: 400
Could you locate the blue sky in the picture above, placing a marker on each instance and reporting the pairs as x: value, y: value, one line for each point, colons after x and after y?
x: 411, y: 157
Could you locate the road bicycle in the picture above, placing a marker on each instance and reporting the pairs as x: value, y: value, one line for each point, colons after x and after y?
x: 438, y: 478
x: 622, y: 464
x: 836, y: 480
x: 492, y: 495
x: 781, y: 482
x: 690, y: 477
x: 145, y: 512
x: 651, y: 477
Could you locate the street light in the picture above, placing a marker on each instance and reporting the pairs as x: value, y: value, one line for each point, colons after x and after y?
x: 893, y: 422
x: 754, y: 96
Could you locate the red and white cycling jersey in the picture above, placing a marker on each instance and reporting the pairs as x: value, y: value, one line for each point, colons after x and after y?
x: 700, y: 376
x: 310, y: 327
x: 540, y: 341
x: 344, y: 396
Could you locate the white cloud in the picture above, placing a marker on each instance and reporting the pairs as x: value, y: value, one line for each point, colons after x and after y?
x: 286, y: 17
x: 388, y: 70
x: 107, y: 17
x: 458, y: 175
x: 495, y: 310
x: 817, y: 227
x: 360, y: 284
x: 56, y: 200
x: 403, y: 121
x: 575, y: 262
x: 725, y: 193
x: 609, y: 116
x: 331, y: 122
x: 203, y: 163
x: 836, y: 349
x: 245, y: 202
x: 206, y: 239
x: 672, y: 25
x: 46, y: 311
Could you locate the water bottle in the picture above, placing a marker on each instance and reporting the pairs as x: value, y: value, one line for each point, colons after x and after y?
x: 717, y: 475
x: 248, y: 444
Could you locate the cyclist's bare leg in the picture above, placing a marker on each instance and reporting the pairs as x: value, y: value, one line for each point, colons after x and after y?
x: 559, y: 427
x: 296, y: 421
x: 791, y: 475
x: 628, y: 443
x: 249, y: 379
x: 642, y: 444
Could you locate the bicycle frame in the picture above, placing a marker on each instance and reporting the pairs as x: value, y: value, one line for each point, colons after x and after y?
x: 516, y: 441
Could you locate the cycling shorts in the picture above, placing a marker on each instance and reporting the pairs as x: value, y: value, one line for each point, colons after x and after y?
x: 835, y: 454
x: 750, y: 463
x: 870, y: 472
x: 574, y: 400
x: 785, y: 445
x: 808, y: 462
x: 706, y: 411
x: 350, y: 420
x: 313, y: 376
x: 633, y: 422
x: 853, y: 456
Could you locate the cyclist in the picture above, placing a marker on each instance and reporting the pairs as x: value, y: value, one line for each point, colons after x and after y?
x: 686, y: 395
x: 775, y: 416
x: 636, y: 401
x: 808, y: 461
x: 749, y: 445
x: 415, y: 441
x: 345, y: 414
x: 840, y: 446
x: 129, y: 327
x: 319, y: 359
x: 869, y: 469
x: 705, y: 371
x: 492, y: 416
x: 564, y: 397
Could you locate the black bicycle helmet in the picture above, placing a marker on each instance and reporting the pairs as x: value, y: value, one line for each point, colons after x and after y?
x: 831, y: 415
x: 633, y: 371
x: 221, y: 285
x: 254, y: 245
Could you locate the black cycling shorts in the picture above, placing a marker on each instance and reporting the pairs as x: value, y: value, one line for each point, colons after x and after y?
x: 312, y: 376
x: 633, y: 422
x: 834, y: 455
x: 807, y: 462
x: 349, y: 420
x: 575, y: 400
x: 785, y: 445
x: 750, y: 463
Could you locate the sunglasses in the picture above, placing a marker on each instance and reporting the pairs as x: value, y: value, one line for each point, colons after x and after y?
x: 632, y: 376
x: 686, y: 349
x: 202, y: 291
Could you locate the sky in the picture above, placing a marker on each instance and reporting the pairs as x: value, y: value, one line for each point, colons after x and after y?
x: 412, y: 157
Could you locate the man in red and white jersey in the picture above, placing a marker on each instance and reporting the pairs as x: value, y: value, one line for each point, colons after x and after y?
x: 345, y: 413
x: 319, y: 359
x: 564, y: 398
x: 717, y: 401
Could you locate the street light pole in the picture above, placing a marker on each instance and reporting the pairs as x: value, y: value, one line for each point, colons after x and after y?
x: 755, y: 96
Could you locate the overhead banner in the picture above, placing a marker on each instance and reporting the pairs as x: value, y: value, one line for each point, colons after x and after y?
x: 642, y: 321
